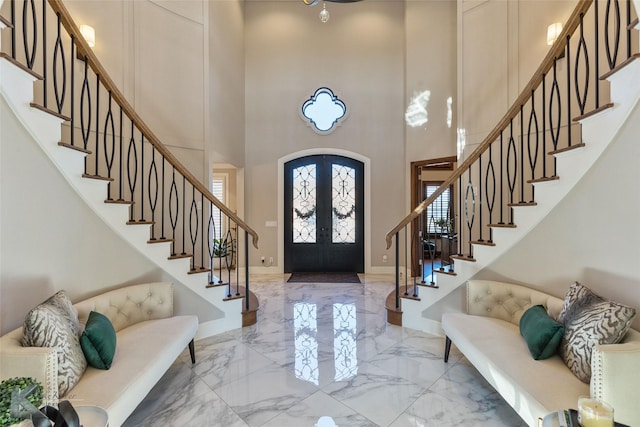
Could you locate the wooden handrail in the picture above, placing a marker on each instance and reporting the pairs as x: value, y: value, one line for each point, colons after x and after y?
x: 558, y: 47
x: 105, y: 79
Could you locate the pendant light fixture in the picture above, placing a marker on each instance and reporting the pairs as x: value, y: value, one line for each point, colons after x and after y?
x: 324, y: 13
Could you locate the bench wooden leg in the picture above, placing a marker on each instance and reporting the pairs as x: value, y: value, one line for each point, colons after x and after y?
x: 192, y: 351
x: 447, y: 349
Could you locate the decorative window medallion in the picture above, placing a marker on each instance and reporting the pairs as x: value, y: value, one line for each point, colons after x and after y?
x: 323, y: 111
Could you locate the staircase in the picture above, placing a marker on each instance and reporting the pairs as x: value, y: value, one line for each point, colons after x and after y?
x: 64, y: 98
x: 508, y: 185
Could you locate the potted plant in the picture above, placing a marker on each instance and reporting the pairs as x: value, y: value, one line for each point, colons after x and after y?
x: 444, y: 224
x: 16, y: 396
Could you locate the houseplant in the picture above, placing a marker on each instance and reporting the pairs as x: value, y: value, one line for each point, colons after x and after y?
x: 15, y: 396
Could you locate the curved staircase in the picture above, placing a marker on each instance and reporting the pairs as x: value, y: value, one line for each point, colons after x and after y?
x: 232, y: 305
x: 598, y: 128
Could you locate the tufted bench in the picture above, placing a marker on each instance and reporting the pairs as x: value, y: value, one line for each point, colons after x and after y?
x: 149, y: 339
x: 489, y: 337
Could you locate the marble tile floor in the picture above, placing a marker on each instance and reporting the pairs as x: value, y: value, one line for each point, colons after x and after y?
x: 323, y: 350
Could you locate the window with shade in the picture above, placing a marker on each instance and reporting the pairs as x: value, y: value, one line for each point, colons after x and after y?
x: 440, y: 209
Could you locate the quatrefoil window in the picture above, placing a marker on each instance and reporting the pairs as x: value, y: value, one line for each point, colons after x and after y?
x: 323, y: 111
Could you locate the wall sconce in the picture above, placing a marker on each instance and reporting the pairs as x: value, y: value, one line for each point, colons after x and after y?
x: 553, y: 32
x: 89, y: 34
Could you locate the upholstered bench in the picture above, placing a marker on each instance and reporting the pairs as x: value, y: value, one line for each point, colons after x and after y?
x: 488, y: 335
x: 149, y: 339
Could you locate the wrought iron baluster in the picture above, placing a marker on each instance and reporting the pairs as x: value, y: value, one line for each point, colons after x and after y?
x: 193, y: 218
x: 554, y: 99
x: 470, y: 214
x: 521, y: 154
x: 162, y: 217
x: 174, y: 209
x: 461, y: 228
x: 13, y: 29
x: 612, y: 57
x: 73, y: 85
x: 59, y: 51
x: 491, y: 196
x: 582, y: 52
x: 512, y: 168
x: 184, y: 213
x: 629, y: 28
x: 120, y: 164
x: 142, y: 177
x: 597, y: 52
x: 533, y: 156
x: 569, y: 118
x: 97, y: 153
x: 85, y: 95
x: 502, y: 162
x: 481, y: 226
x: 202, y: 239
x: 153, y: 195
x: 132, y: 178
x: 544, y: 125
x: 29, y: 52
x: 44, y: 54
x: 211, y: 232
x: 109, y: 157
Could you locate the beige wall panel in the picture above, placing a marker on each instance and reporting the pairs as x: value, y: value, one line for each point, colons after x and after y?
x: 484, y: 62
x: 110, y: 20
x: 359, y: 55
x: 169, y: 75
x: 226, y: 82
x: 190, y: 9
x: 431, y: 65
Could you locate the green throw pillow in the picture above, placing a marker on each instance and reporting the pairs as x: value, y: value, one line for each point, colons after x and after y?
x: 98, y: 341
x: 541, y: 332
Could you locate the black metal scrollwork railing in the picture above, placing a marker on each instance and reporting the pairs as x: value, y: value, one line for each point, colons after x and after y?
x: 121, y: 148
x: 519, y: 151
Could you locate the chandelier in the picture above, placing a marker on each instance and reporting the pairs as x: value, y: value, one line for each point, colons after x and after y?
x: 324, y: 13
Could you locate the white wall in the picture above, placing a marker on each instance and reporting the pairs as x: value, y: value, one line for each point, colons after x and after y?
x: 51, y: 240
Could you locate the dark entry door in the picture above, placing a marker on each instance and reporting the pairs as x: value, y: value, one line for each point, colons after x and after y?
x: 324, y: 214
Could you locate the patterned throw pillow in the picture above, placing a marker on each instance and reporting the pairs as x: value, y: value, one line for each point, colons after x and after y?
x: 590, y: 320
x: 54, y: 323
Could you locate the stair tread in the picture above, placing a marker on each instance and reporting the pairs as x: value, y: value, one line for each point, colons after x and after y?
x: 594, y: 112
x: 134, y: 222
x: 543, y: 179
x: 463, y: 258
x: 482, y: 243
x: 620, y: 66
x: 503, y: 225
x: 50, y: 111
x: 160, y: 241
x: 633, y: 24
x: 180, y: 256
x: 74, y: 147
x: 6, y: 22
x: 565, y: 149
x: 199, y: 271
x: 20, y: 65
x: 119, y: 202
x: 511, y: 205
x: 98, y: 177
x: 447, y: 272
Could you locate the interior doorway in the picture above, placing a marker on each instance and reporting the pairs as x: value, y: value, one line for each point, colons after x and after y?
x: 425, y: 174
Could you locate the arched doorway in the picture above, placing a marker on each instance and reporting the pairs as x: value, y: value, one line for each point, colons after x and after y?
x: 324, y: 214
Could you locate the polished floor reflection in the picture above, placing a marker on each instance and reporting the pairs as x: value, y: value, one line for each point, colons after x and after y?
x: 323, y: 350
